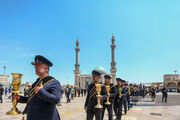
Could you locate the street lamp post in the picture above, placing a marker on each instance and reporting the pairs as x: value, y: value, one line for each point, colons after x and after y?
x: 176, y: 84
x: 175, y: 71
x: 4, y: 69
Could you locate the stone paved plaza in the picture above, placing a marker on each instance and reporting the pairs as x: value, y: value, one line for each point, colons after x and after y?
x: 74, y: 110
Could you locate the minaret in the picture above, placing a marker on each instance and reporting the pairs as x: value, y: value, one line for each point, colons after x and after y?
x: 113, y: 63
x: 77, y: 65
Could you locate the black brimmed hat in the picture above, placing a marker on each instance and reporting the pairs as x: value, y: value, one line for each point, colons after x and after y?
x: 96, y: 73
x: 43, y: 60
x: 107, y: 77
x: 119, y: 79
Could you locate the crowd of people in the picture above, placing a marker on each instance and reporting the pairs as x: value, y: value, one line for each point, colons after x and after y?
x: 71, y: 92
x: 120, y: 96
x: 6, y: 92
x: 42, y: 97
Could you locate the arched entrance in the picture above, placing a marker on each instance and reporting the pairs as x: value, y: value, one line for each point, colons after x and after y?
x: 171, y: 85
x: 178, y: 84
x: 178, y: 87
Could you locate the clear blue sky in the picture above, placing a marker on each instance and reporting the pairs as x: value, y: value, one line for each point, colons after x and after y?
x: 147, y: 34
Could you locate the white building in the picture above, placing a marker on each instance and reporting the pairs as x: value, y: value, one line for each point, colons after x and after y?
x: 4, y: 79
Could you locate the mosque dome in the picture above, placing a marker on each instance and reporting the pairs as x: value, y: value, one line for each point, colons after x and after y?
x: 100, y: 69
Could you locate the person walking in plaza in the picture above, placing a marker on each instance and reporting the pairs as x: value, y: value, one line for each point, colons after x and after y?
x: 68, y: 94
x: 111, y: 97
x: 82, y: 91
x: 75, y: 91
x: 1, y: 93
x: 6, y: 91
x: 10, y: 94
x: 72, y: 93
x: 43, y: 95
x: 79, y: 91
x: 91, y: 99
x: 164, y: 94
x: 135, y: 93
x: 65, y: 91
x: 152, y: 91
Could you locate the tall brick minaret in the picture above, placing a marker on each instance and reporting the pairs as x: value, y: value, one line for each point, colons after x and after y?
x: 113, y: 63
x: 77, y: 65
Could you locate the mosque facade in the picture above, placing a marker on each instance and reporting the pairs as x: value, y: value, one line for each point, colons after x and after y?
x: 83, y: 80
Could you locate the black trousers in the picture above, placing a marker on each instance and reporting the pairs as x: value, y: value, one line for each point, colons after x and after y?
x: 1, y: 99
x: 164, y: 97
x: 125, y: 106
x: 97, y: 112
x: 68, y: 99
x: 118, y: 109
x: 72, y: 96
x: 128, y: 102
x: 109, y: 109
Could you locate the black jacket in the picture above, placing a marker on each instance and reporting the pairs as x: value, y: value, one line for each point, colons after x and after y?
x: 92, y: 102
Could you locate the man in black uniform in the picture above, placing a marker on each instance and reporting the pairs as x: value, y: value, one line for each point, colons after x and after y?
x: 164, y: 94
x: 130, y: 89
x: 91, y: 99
x: 120, y: 92
x: 1, y: 93
x: 79, y: 91
x: 44, y: 94
x: 111, y: 97
x: 84, y: 92
x: 68, y: 94
x: 135, y: 94
x: 125, y: 96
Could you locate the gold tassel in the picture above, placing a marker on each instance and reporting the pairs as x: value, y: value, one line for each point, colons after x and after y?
x: 23, y: 118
